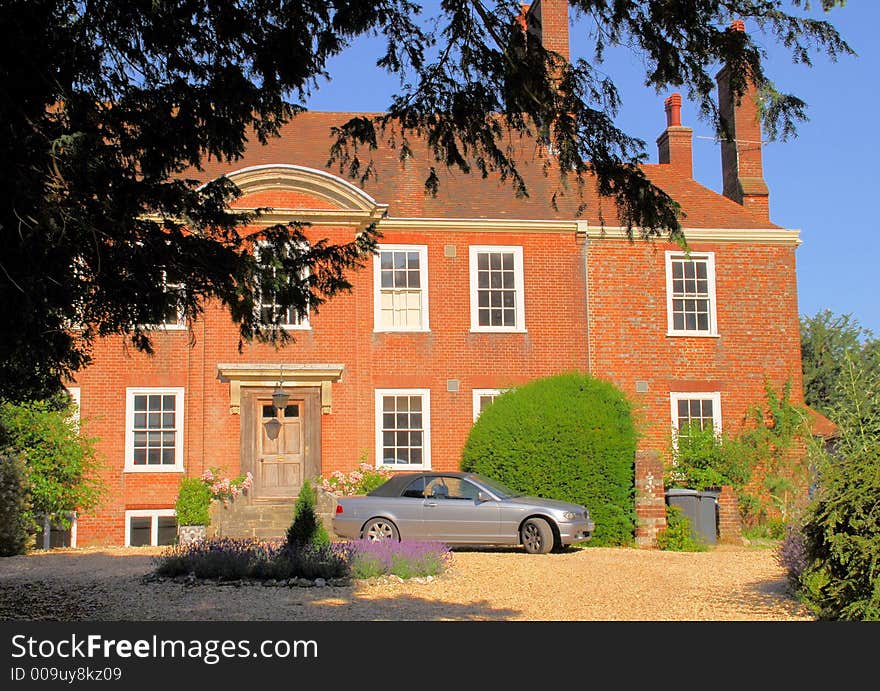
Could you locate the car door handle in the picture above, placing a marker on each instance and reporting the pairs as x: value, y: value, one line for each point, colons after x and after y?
x: 430, y: 503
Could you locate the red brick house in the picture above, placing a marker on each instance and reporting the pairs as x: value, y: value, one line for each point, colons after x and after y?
x: 472, y: 292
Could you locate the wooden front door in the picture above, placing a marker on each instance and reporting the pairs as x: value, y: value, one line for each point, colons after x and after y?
x: 280, y: 462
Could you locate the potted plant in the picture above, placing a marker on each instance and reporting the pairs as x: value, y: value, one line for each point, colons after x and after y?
x: 193, y: 510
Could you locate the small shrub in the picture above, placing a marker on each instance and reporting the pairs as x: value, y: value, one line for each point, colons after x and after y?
x: 62, y: 467
x: 677, y: 537
x: 406, y: 558
x: 193, y: 502
x: 14, y: 533
x: 306, y: 528
x: 702, y: 460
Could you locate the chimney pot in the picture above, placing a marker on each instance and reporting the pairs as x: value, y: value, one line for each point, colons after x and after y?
x: 674, y: 145
x: 742, y: 167
x: 673, y: 110
x: 738, y: 25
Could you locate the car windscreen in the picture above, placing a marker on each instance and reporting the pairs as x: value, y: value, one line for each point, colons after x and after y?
x: 496, y: 487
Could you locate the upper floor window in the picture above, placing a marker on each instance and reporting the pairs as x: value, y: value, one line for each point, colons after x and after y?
x: 268, y: 305
x: 497, y: 295
x: 690, y: 294
x: 154, y: 429
x: 400, y: 280
x: 173, y: 317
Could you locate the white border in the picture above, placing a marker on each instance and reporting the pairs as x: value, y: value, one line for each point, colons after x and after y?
x: 377, y: 288
x: 676, y: 396
x: 520, y: 287
x: 476, y: 393
x: 178, y: 393
x: 154, y: 523
x: 709, y: 258
x: 426, y: 424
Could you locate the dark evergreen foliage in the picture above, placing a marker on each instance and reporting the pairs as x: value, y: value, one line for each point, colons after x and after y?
x: 306, y: 528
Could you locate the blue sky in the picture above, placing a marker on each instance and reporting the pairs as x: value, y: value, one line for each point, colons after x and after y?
x: 823, y: 182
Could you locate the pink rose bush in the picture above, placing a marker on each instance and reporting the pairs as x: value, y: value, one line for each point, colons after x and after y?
x: 224, y: 488
x: 361, y: 480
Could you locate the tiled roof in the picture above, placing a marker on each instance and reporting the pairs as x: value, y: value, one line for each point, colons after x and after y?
x: 821, y: 426
x: 306, y: 141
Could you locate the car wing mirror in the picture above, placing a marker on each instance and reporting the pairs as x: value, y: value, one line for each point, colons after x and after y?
x: 483, y: 496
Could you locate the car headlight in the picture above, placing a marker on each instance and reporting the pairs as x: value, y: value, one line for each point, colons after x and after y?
x: 569, y: 516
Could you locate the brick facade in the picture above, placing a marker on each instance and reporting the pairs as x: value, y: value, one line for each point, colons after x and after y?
x: 594, y: 302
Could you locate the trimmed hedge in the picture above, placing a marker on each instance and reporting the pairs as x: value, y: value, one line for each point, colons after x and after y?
x: 568, y: 437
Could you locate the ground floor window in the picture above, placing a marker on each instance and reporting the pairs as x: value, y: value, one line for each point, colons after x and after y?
x: 403, y: 428
x: 150, y: 527
x: 483, y: 399
x: 700, y: 409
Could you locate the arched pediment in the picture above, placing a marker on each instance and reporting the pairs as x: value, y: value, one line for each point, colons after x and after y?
x: 340, y: 200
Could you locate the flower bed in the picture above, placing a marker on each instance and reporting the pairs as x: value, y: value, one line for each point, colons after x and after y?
x: 233, y: 559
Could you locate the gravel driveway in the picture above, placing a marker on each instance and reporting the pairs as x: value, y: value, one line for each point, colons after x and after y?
x: 598, y: 584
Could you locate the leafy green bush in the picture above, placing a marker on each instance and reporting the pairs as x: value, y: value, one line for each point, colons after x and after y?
x: 14, y: 528
x: 61, y: 463
x: 841, y: 527
x: 678, y: 536
x: 568, y: 437
x: 306, y: 528
x: 193, y: 502
x: 703, y: 460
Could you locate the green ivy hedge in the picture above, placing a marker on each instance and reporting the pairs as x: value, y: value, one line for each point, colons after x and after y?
x: 568, y: 437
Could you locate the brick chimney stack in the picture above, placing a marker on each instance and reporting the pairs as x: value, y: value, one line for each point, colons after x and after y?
x: 674, y: 145
x: 742, y: 167
x: 551, y: 25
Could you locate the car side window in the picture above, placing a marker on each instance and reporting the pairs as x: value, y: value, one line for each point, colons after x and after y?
x: 456, y: 488
x: 416, y: 489
x: 436, y: 488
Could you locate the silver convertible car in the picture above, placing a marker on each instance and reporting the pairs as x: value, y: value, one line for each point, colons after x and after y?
x: 460, y: 509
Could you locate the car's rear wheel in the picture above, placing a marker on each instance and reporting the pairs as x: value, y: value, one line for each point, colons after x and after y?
x: 537, y: 536
x: 380, y: 529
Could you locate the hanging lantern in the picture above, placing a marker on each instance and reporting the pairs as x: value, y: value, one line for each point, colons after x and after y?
x: 273, y: 427
x: 280, y: 398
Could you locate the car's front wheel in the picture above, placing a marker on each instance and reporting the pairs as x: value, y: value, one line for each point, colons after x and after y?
x: 537, y: 536
x: 380, y: 529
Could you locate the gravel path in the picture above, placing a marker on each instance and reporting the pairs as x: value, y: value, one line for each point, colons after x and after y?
x: 594, y: 584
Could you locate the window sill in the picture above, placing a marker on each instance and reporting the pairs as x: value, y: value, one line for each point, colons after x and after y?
x: 166, y: 327
x: 401, y: 467
x: 401, y: 331
x: 478, y: 330
x: 691, y: 334
x: 296, y: 327
x: 153, y: 469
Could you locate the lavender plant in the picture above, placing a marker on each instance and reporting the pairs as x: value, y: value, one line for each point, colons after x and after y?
x: 406, y: 558
x: 792, y: 556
